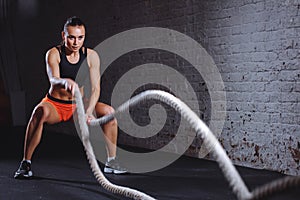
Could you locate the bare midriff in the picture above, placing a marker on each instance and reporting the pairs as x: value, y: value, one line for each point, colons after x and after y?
x: 60, y: 92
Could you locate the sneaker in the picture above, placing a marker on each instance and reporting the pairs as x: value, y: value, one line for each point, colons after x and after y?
x: 114, y: 167
x: 24, y: 170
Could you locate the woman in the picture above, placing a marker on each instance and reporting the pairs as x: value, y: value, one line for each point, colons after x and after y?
x: 63, y: 63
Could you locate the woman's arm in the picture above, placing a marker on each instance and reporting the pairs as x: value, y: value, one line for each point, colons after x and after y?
x: 52, y: 65
x: 94, y: 68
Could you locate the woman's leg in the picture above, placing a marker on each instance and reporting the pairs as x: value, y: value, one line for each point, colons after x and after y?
x: 43, y: 113
x: 110, y: 129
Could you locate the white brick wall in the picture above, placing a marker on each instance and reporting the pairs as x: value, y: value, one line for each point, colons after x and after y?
x: 262, y: 128
x: 255, y: 45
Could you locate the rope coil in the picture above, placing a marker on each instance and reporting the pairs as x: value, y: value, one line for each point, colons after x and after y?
x: 235, y: 181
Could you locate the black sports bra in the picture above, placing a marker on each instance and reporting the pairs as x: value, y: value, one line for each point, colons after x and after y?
x: 70, y: 70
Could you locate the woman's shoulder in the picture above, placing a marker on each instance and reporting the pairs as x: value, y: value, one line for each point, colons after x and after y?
x: 53, y: 52
x: 92, y: 57
x: 91, y: 52
x: 55, y: 49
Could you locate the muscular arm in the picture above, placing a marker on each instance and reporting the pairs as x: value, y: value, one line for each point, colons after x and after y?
x: 94, y: 68
x: 52, y: 65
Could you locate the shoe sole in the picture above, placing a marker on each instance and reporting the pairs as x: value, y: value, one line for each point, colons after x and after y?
x: 113, y: 171
x: 23, y: 176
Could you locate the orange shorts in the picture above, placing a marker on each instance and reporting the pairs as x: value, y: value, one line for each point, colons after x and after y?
x: 65, y: 109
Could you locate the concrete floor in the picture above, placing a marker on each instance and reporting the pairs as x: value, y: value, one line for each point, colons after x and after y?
x: 62, y: 172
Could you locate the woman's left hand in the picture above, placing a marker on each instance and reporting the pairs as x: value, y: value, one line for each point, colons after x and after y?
x: 89, y: 117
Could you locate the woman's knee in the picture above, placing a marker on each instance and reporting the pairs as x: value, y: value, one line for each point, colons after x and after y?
x: 106, y: 110
x: 103, y: 109
x: 110, y: 110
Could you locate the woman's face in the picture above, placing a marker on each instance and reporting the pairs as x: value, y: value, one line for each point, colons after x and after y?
x: 74, y: 37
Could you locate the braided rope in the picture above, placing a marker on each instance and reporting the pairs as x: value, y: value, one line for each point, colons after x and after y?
x: 210, y: 141
x: 235, y: 181
x: 125, y: 191
x: 275, y: 187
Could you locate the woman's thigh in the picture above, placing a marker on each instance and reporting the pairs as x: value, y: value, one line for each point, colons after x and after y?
x: 51, y: 116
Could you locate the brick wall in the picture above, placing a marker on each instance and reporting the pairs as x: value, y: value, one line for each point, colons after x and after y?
x: 255, y: 45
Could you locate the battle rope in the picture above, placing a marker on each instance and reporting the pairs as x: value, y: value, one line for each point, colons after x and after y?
x: 276, y: 186
x: 210, y: 141
x: 235, y: 181
x: 125, y: 191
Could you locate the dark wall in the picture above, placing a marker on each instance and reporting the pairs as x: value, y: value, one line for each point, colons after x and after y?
x: 37, y: 30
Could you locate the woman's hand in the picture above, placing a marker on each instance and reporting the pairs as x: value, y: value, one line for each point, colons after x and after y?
x: 70, y: 85
x: 89, y: 117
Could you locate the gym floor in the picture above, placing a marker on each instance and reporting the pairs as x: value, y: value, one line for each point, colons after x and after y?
x: 61, y: 171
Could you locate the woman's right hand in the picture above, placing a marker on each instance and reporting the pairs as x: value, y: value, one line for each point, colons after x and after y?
x: 70, y: 85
